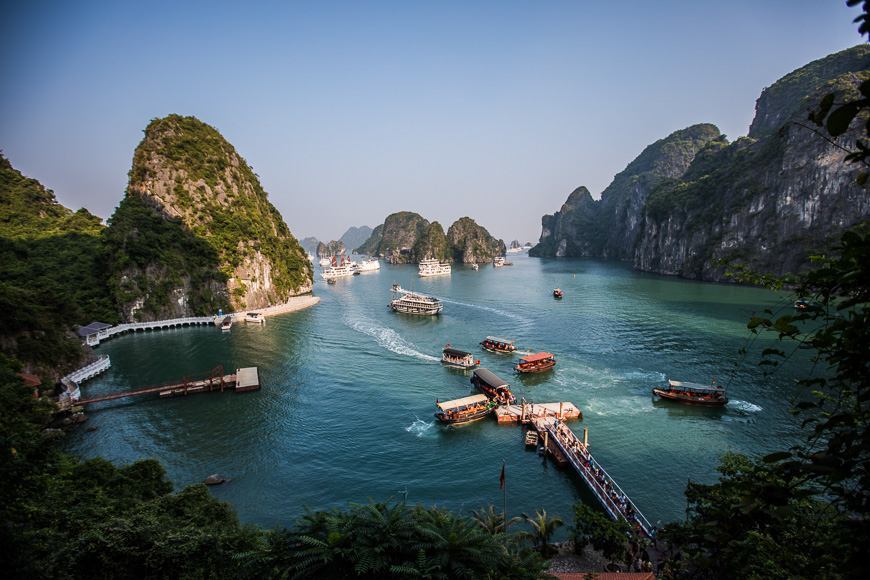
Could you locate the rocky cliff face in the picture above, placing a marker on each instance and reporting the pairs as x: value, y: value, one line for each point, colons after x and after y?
x: 770, y: 199
x: 471, y: 243
x: 333, y: 248
x: 407, y: 237
x: 395, y: 239
x: 608, y: 228
x: 187, y: 173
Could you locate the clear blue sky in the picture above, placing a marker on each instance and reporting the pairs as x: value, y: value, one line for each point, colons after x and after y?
x: 350, y: 111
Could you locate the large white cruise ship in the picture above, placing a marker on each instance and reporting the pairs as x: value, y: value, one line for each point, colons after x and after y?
x: 368, y: 265
x: 432, y: 267
x: 347, y: 268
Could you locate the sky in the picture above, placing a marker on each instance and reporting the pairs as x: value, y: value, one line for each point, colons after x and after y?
x: 350, y: 111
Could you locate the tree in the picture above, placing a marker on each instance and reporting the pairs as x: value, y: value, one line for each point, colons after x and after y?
x: 543, y: 528
x: 606, y: 534
x: 492, y: 522
x: 387, y: 540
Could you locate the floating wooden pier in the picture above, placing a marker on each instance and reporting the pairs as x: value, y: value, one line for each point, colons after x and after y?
x: 246, y: 379
x: 524, y: 412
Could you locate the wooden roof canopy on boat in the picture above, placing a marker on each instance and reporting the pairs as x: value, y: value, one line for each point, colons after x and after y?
x: 463, y: 402
x: 454, y: 352
x: 490, y: 378
x: 695, y: 387
x: 536, y: 357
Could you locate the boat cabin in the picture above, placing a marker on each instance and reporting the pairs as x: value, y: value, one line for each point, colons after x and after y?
x: 458, y: 358
x: 495, y: 344
x: 492, y: 386
x: 535, y: 363
x: 693, y: 393
x: 464, y: 410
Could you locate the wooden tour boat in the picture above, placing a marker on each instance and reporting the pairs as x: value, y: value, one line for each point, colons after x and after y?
x: 493, y: 387
x: 499, y: 345
x: 458, y: 358
x: 557, y: 293
x: 464, y: 410
x: 535, y: 363
x: 693, y: 393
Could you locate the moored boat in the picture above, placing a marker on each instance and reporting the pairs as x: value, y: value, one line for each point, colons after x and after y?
x: 432, y: 267
x: 345, y: 268
x: 411, y: 303
x: 499, y: 345
x: 464, y: 410
x: 458, y: 358
x: 492, y: 386
x: 475, y: 267
x: 535, y: 363
x: 368, y: 266
x: 227, y: 323
x: 693, y: 393
x: 255, y: 317
x: 498, y: 262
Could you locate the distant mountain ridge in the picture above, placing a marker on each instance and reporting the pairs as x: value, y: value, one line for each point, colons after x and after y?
x: 769, y: 199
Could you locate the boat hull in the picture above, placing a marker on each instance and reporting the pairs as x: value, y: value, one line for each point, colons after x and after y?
x: 499, y: 350
x: 535, y: 369
x: 689, y: 400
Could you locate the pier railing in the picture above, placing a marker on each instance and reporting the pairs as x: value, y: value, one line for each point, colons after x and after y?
x: 72, y: 380
x: 591, y: 476
x: 94, y: 339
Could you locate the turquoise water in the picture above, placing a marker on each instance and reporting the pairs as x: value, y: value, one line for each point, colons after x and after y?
x: 345, y: 411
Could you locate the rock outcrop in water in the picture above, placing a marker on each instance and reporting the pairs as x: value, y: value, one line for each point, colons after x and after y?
x: 333, y: 248
x: 770, y: 199
x: 186, y: 173
x: 407, y: 237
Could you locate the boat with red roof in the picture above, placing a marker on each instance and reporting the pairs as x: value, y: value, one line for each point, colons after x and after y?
x: 536, y: 363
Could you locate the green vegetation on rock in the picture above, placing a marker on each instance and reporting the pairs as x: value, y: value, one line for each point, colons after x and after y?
x: 185, y: 169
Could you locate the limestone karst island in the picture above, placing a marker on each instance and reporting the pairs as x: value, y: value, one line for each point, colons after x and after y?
x: 670, y: 382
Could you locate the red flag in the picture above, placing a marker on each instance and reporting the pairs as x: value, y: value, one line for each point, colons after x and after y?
x: 501, y: 479
x: 448, y: 345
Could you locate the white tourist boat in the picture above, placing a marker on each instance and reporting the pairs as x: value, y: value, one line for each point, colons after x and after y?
x: 412, y: 303
x: 336, y: 270
x: 432, y: 267
x: 325, y: 262
x: 498, y: 262
x: 368, y: 266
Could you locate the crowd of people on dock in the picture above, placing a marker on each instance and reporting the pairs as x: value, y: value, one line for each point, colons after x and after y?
x: 608, y: 491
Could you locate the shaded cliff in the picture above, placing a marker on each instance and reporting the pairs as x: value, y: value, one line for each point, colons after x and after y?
x: 355, y: 237
x: 608, y: 228
x: 406, y: 237
x: 188, y: 174
x: 769, y: 199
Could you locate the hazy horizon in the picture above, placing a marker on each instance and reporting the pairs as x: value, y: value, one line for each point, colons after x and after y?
x: 351, y: 111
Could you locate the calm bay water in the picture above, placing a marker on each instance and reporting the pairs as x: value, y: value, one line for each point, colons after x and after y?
x: 345, y: 411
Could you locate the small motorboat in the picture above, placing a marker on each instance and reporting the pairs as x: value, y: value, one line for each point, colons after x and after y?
x: 330, y: 280
x: 557, y: 293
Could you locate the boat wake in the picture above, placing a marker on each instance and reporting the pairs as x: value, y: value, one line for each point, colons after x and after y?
x: 519, y: 318
x: 419, y: 427
x: 388, y: 338
x: 744, y: 406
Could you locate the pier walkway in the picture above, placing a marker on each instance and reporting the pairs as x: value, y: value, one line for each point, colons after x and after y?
x: 243, y: 380
x: 100, y: 334
x: 576, y: 452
